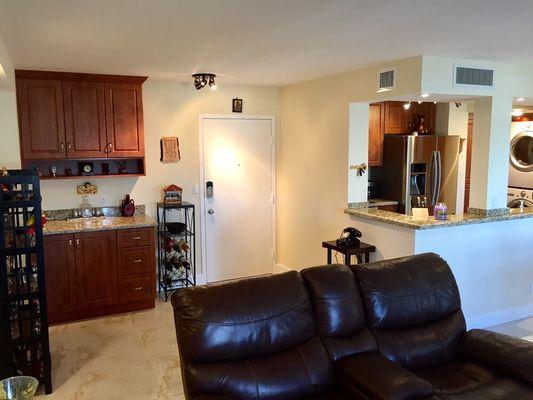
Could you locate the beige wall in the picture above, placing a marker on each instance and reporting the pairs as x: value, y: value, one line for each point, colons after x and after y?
x: 170, y: 109
x: 313, y: 157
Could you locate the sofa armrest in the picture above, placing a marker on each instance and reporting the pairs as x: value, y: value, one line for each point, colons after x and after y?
x: 375, y: 376
x: 509, y: 355
x: 214, y: 397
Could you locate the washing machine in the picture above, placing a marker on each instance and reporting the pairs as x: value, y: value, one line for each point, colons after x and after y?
x: 517, y: 198
x: 521, y: 156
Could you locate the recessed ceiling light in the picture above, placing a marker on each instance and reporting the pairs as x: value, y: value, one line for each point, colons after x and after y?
x: 520, y: 99
x: 517, y: 113
x: 424, y: 95
x: 407, y: 106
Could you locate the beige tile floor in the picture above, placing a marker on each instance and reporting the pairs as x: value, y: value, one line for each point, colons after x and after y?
x: 134, y: 356
x: 130, y: 356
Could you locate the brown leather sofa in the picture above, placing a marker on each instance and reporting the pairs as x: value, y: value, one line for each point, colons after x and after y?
x: 387, y: 330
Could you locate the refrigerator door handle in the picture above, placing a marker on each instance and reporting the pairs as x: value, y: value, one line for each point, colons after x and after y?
x: 433, y: 177
x: 439, y: 177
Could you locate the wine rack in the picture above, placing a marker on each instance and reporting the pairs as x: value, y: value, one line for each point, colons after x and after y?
x: 177, y: 246
x: 23, y: 312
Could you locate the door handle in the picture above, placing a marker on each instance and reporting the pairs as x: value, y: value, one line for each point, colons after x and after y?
x: 211, y: 211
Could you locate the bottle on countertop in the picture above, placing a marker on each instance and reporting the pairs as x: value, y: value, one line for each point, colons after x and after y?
x: 128, y: 207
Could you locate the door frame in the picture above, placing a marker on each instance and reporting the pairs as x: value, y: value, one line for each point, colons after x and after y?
x: 202, y: 278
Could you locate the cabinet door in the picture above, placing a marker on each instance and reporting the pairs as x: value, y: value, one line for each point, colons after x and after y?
x: 396, y: 117
x: 124, y: 120
x: 41, y: 120
x: 85, y: 119
x: 375, y: 135
x: 60, y: 273
x: 96, y: 269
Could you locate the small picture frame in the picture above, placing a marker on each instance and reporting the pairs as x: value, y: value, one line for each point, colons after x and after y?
x: 237, y: 105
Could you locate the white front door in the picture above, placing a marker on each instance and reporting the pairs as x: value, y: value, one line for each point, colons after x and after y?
x: 238, y: 159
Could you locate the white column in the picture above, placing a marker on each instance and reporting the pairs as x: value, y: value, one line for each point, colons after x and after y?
x: 490, y: 152
x: 358, y: 152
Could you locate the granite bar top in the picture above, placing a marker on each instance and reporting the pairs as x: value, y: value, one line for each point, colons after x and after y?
x: 408, y: 221
x: 97, y: 224
x: 381, y: 203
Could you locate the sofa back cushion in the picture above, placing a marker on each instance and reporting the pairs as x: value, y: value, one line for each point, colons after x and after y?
x: 413, y: 308
x: 251, y: 338
x: 339, y: 313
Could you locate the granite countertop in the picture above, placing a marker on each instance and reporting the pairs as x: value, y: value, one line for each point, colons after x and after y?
x: 381, y: 202
x: 97, y: 224
x: 430, y: 222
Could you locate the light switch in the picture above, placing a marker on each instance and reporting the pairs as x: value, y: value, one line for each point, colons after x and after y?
x: 195, y: 188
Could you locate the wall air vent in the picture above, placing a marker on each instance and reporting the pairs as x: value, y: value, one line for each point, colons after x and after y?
x: 474, y: 76
x: 386, y: 79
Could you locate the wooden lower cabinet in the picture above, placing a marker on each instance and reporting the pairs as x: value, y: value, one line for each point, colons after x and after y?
x: 87, y: 275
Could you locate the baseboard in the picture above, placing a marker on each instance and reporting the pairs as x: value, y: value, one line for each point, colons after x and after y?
x: 280, y: 268
x: 500, y: 317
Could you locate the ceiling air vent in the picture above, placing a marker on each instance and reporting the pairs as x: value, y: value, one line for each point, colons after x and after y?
x: 472, y: 76
x: 386, y: 79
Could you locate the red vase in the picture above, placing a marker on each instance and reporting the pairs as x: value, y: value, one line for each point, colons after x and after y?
x: 128, y: 206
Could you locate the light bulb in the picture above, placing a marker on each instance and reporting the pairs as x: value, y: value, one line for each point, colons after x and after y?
x: 424, y: 95
x: 213, y: 86
x: 407, y: 106
x: 520, y: 99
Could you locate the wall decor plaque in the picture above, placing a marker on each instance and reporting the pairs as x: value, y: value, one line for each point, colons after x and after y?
x: 170, y: 149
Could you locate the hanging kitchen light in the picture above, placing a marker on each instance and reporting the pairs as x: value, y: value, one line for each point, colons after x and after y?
x: 203, y: 79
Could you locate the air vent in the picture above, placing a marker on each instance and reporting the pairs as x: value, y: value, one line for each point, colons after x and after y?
x: 471, y: 76
x: 386, y: 79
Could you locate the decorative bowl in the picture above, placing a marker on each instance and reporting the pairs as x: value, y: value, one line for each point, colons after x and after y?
x: 18, y: 388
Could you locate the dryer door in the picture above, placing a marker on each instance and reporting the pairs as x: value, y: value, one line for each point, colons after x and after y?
x: 522, y: 151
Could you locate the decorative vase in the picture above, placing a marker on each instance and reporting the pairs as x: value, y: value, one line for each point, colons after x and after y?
x: 18, y: 388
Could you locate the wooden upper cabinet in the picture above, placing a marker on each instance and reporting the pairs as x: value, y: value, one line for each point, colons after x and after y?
x: 375, y: 134
x: 428, y: 111
x: 41, y: 120
x: 84, y: 119
x: 96, y: 269
x: 396, y: 117
x: 124, y: 120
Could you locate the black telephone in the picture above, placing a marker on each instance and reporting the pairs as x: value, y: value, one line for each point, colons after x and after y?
x: 349, y: 237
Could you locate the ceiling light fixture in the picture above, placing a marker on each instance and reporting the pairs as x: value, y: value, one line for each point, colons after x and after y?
x: 424, y: 95
x: 520, y: 99
x: 407, y: 106
x: 517, y: 113
x: 203, y: 79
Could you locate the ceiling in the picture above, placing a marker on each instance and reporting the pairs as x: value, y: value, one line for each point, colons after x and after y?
x: 266, y: 42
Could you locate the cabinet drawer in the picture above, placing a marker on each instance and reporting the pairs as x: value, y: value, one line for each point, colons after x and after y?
x: 136, y: 260
x: 136, y: 288
x: 135, y: 237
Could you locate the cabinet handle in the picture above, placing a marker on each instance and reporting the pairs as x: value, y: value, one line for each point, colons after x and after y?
x: 77, y: 243
x: 110, y: 147
x: 137, y: 261
x: 137, y: 237
x: 61, y: 147
x: 70, y: 243
x: 138, y: 288
x: 69, y: 147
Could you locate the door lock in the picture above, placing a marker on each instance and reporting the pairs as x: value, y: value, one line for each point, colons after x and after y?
x: 211, y: 211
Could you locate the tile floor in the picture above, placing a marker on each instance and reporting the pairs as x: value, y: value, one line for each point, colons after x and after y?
x: 130, y: 356
x: 134, y: 356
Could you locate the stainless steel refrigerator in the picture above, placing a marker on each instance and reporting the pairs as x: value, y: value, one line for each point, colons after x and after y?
x: 419, y: 171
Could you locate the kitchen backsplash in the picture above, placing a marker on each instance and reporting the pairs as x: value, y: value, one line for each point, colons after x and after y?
x: 61, y: 215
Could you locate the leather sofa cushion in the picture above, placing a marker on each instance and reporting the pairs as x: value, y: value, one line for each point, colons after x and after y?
x: 339, y: 313
x: 509, y: 355
x: 407, y: 291
x: 375, y: 376
x: 457, y: 376
x: 424, y: 345
x: 500, y: 389
x: 296, y: 373
x: 242, y: 319
x: 336, y: 300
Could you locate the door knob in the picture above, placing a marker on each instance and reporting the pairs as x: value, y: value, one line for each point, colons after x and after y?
x: 211, y: 211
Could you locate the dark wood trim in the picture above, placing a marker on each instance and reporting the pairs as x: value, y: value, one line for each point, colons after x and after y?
x: 78, y: 76
x: 104, y: 311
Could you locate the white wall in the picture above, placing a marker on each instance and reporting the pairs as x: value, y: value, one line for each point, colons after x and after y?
x: 7, y: 75
x: 9, y: 131
x: 492, y: 265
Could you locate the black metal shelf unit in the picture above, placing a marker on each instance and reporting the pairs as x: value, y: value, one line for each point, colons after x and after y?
x: 177, y: 246
x: 23, y: 315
